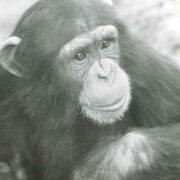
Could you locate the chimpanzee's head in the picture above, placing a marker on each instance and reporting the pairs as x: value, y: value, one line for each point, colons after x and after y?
x: 73, y: 45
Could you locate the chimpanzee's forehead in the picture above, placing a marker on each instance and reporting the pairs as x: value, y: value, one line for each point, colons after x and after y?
x: 67, y: 30
x: 88, y: 38
x: 78, y: 26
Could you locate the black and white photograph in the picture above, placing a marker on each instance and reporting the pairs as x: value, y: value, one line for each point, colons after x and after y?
x: 89, y: 89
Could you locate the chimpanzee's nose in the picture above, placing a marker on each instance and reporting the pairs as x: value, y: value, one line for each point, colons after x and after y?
x: 104, y: 71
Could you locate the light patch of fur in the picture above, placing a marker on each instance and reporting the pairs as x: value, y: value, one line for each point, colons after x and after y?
x: 132, y: 153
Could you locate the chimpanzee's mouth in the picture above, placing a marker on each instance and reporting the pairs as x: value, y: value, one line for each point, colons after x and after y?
x: 118, y: 104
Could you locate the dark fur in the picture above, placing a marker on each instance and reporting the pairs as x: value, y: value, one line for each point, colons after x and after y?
x: 40, y: 119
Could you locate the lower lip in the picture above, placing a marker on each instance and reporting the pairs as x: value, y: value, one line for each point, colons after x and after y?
x: 112, y: 107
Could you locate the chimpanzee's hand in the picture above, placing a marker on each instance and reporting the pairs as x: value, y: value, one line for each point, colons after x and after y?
x: 11, y: 173
x: 5, y: 172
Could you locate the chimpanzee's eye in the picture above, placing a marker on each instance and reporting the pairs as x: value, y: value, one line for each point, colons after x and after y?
x: 105, y: 44
x: 80, y: 55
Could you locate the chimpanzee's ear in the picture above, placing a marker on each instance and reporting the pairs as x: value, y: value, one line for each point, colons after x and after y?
x: 7, y: 56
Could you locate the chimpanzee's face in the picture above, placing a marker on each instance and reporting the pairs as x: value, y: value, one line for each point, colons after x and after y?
x: 92, y: 58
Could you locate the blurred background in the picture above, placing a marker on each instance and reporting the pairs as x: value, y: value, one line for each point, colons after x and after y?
x: 155, y: 21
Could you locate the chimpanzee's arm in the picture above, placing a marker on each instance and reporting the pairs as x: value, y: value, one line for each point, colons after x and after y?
x: 145, y: 154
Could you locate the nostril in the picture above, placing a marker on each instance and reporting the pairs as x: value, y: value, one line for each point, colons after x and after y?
x: 102, y: 76
x: 105, y: 74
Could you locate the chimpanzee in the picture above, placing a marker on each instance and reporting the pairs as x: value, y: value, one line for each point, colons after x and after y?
x: 82, y: 99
